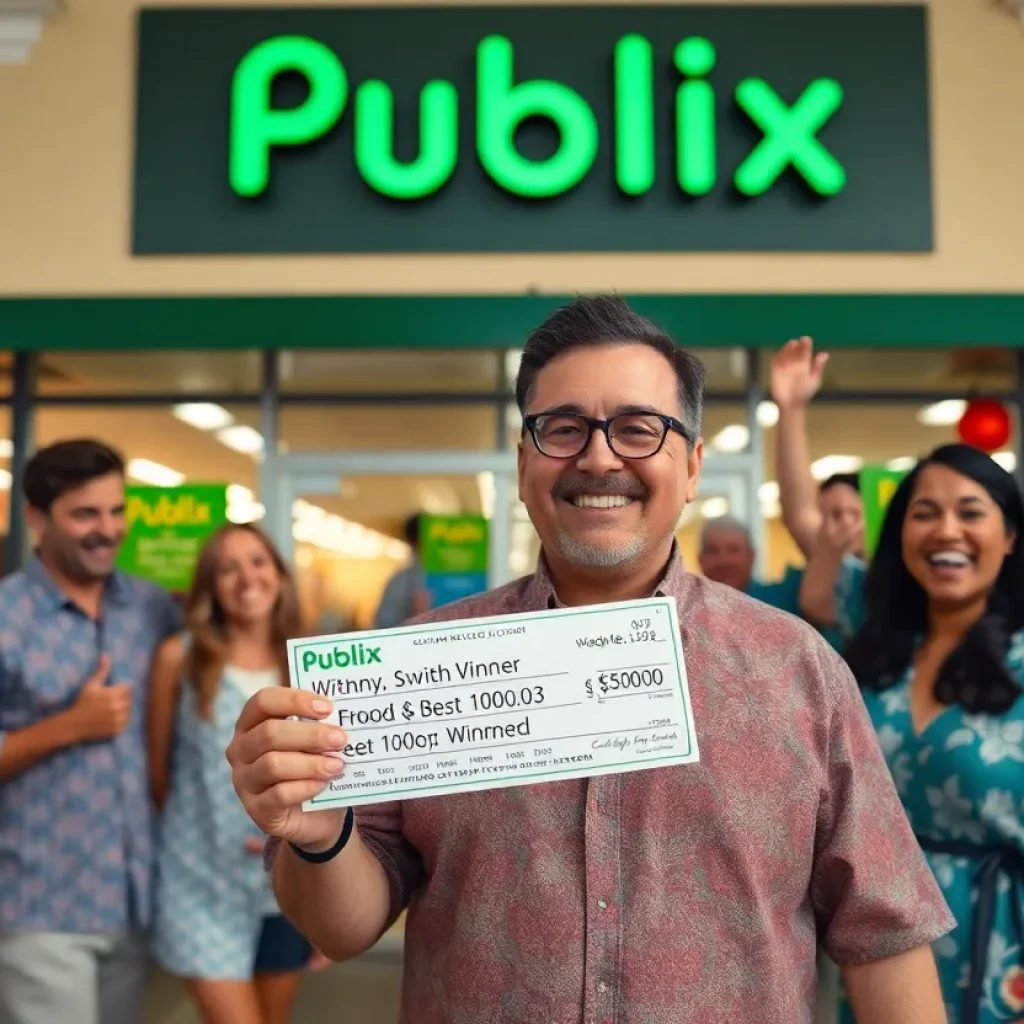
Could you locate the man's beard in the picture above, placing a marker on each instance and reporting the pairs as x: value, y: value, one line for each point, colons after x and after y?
x: 597, y: 556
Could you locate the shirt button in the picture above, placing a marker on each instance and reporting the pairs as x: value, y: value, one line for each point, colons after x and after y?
x: 602, y: 987
x: 603, y: 904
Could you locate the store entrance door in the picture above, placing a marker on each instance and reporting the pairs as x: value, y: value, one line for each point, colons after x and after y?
x: 337, y: 517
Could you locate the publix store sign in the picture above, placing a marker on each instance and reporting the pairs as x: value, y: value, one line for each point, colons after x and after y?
x: 532, y: 128
x: 167, y: 528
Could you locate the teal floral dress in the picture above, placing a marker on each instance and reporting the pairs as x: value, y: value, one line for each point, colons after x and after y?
x: 962, y: 784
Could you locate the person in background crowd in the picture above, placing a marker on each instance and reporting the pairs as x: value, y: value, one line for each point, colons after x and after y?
x: 405, y: 594
x: 826, y: 522
x: 218, y: 927
x: 727, y: 556
x: 940, y: 661
x: 76, y: 640
x: 666, y: 896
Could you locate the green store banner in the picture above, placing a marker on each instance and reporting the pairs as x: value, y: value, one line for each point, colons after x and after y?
x: 454, y: 550
x: 877, y: 486
x: 167, y: 527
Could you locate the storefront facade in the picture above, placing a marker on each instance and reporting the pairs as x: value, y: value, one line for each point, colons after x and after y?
x: 333, y: 328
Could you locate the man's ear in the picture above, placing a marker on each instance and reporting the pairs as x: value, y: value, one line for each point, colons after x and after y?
x: 36, y: 520
x: 694, y: 461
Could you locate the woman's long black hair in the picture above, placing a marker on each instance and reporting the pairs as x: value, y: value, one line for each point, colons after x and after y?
x: 975, y: 675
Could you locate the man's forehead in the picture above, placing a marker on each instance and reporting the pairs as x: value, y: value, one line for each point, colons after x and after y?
x: 613, y: 376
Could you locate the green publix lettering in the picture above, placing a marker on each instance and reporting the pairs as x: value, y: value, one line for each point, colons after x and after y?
x: 789, y: 132
x: 341, y: 657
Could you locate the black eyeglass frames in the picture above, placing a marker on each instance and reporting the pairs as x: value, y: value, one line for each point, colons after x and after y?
x: 630, y: 435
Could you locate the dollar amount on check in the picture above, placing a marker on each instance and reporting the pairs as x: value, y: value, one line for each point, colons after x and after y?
x: 505, y: 701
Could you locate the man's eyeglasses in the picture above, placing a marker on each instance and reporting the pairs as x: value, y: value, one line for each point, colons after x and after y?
x: 630, y: 435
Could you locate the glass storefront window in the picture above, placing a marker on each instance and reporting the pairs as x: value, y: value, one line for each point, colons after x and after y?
x: 393, y: 427
x: 956, y: 371
x: 158, y: 447
x: 388, y: 371
x: 6, y: 372
x: 227, y: 371
x: 8, y: 486
x: 349, y: 544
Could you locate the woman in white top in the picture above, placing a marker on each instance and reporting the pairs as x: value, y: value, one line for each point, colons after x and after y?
x: 217, y: 925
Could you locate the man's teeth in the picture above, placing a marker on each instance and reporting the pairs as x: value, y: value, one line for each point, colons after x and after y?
x: 601, y: 500
x: 956, y: 559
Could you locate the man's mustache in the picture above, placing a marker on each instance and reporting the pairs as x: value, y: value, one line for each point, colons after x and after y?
x: 96, y: 542
x: 574, y: 486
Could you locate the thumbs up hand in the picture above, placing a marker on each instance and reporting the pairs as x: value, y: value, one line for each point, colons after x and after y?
x: 101, y: 711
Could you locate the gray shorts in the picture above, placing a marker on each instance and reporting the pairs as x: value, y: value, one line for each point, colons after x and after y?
x: 51, y: 977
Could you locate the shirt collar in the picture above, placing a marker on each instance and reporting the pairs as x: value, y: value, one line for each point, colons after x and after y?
x: 116, y: 590
x: 540, y: 592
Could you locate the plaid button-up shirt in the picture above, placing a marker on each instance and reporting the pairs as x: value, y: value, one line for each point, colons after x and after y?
x: 682, y: 895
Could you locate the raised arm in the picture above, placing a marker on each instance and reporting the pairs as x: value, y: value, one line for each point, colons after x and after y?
x: 796, y: 374
x: 818, y: 587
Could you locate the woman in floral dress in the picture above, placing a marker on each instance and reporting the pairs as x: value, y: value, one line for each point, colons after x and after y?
x: 940, y: 661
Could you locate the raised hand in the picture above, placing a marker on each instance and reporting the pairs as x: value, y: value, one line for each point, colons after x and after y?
x: 796, y: 373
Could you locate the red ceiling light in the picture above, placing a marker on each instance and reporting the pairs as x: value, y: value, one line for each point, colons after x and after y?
x: 985, y: 424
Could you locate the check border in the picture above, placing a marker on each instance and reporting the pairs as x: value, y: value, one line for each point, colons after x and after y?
x: 452, y: 625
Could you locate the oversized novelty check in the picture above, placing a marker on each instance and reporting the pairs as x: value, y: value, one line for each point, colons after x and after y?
x: 506, y: 701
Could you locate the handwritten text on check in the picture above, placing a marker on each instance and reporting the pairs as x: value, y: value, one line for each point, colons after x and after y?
x: 505, y: 701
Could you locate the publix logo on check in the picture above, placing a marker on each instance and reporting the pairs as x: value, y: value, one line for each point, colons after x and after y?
x: 340, y: 657
x: 473, y: 704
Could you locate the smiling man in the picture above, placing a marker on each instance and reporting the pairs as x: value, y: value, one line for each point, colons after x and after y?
x: 76, y: 639
x: 667, y: 896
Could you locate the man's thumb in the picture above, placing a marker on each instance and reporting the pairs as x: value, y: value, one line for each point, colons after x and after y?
x: 99, y: 677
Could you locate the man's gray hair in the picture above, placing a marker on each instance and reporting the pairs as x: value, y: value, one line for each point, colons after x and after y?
x: 725, y: 524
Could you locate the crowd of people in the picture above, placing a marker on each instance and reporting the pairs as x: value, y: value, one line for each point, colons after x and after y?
x: 859, y: 791
x: 121, y: 838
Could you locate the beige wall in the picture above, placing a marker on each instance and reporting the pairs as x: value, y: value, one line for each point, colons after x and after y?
x: 65, y: 188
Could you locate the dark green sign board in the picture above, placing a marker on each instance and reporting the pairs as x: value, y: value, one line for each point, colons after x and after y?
x: 478, y: 129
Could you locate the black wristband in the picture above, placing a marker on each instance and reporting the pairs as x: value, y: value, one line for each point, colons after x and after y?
x: 326, y: 855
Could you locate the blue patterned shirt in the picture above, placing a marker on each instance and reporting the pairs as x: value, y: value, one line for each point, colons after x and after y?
x: 76, y: 847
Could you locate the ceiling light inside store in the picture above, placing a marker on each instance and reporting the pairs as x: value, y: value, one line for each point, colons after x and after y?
x: 485, y: 484
x: 771, y: 509
x: 902, y: 464
x: 942, y: 414
x: 242, y: 439
x: 5, y: 480
x: 768, y: 491
x: 314, y: 525
x: 154, y: 474
x: 832, y: 464
x: 242, y: 505
x: 6, y: 448
x: 733, y: 438
x: 203, y: 415
x: 1005, y: 459
x: 512, y: 360
x: 714, y: 508
x: 767, y: 414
